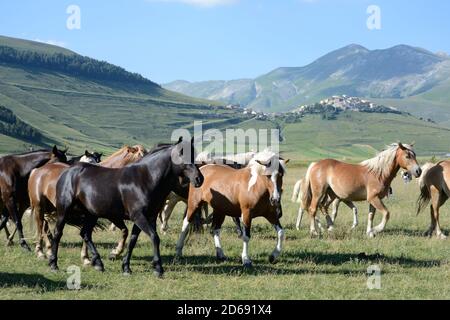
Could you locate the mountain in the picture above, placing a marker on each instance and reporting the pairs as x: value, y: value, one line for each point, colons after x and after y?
x: 395, y: 73
x: 53, y: 95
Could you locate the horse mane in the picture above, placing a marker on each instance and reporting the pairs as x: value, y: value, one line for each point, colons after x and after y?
x: 257, y: 169
x: 129, y: 154
x: 381, y: 164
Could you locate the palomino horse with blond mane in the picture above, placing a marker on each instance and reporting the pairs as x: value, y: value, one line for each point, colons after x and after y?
x: 435, y: 186
x: 368, y: 181
x: 254, y: 191
x: 42, y: 191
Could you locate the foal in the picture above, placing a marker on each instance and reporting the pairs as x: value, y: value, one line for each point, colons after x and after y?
x: 368, y: 181
x: 247, y: 193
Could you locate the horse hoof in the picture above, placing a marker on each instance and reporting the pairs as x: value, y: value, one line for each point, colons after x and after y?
x: 272, y: 259
x: 371, y: 234
x: 25, y: 246
x: 442, y: 237
x: 158, y: 274
x: 41, y: 256
x: 54, y: 268
x: 247, y: 264
x: 113, y: 256
x: 221, y: 259
x: 99, y: 268
x: 126, y: 273
x: 9, y: 243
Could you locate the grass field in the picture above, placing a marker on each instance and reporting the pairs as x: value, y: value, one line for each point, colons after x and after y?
x: 333, y: 267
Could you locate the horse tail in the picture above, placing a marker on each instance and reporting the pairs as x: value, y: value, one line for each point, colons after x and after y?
x: 296, y: 197
x: 305, y: 189
x: 425, y: 196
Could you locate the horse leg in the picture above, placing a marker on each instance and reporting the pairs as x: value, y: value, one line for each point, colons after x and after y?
x: 330, y: 222
x: 149, y: 227
x: 379, y: 205
x: 53, y: 260
x: 191, y: 209
x: 237, y: 222
x: 436, y: 204
x: 372, y: 212
x: 334, y: 213
x: 312, y: 212
x: 280, y: 239
x: 352, y: 206
x: 299, y: 218
x: 247, y: 221
x: 218, y: 219
x: 135, y: 231
x: 47, y: 236
x: 39, y: 220
x: 118, y: 250
x: 11, y: 205
x: 84, y: 254
x: 167, y: 212
x: 86, y: 235
x: 432, y: 227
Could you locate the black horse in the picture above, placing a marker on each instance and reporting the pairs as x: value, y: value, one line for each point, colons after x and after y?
x: 93, y: 157
x: 136, y: 192
x: 14, y: 174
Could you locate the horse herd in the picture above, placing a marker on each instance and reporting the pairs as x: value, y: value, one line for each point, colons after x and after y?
x: 139, y: 185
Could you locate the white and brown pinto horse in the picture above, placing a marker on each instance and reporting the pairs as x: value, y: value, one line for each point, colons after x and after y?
x: 254, y: 191
x: 435, y: 186
x: 368, y: 181
x: 237, y: 161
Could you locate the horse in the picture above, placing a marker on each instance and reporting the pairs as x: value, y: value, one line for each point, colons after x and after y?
x: 45, y: 190
x: 368, y: 181
x: 434, y: 186
x: 254, y: 191
x: 237, y: 161
x: 42, y: 193
x: 87, y: 157
x: 135, y: 192
x: 297, y: 196
x: 14, y: 173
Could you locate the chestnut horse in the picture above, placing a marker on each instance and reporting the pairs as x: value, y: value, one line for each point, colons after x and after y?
x: 136, y: 192
x: 14, y: 174
x: 368, y: 181
x: 435, y: 186
x: 297, y: 197
x: 237, y: 161
x: 42, y: 192
x: 254, y: 191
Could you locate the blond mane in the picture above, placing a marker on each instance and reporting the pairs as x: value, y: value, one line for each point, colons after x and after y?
x: 381, y: 164
x: 124, y: 156
x: 257, y: 169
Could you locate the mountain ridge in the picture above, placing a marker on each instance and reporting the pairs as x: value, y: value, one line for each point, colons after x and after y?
x: 398, y: 72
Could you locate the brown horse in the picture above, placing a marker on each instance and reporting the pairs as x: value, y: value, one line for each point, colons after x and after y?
x: 254, y: 191
x: 367, y: 181
x: 14, y: 174
x: 435, y: 186
x: 42, y: 188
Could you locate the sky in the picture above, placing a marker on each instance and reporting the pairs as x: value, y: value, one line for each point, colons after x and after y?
x: 198, y: 40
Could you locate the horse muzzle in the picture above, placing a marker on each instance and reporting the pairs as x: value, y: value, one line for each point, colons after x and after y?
x: 275, y: 201
x: 417, y: 172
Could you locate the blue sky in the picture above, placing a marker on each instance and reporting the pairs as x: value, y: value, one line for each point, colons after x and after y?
x: 197, y: 40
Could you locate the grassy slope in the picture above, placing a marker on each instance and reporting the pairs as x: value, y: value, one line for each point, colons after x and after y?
x: 330, y: 268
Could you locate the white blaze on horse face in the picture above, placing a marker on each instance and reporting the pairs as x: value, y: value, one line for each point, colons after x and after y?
x: 276, y: 193
x: 87, y: 160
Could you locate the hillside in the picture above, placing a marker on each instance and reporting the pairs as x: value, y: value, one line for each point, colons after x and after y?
x: 101, y: 110
x: 395, y: 73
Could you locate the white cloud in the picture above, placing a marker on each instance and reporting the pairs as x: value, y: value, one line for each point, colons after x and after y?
x: 53, y: 42
x: 200, y: 3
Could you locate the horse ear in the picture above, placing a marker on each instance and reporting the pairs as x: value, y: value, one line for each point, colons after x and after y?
x: 287, y: 161
x: 401, y: 146
x: 412, y: 144
x: 86, y: 153
x: 55, y: 149
x: 180, y: 139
